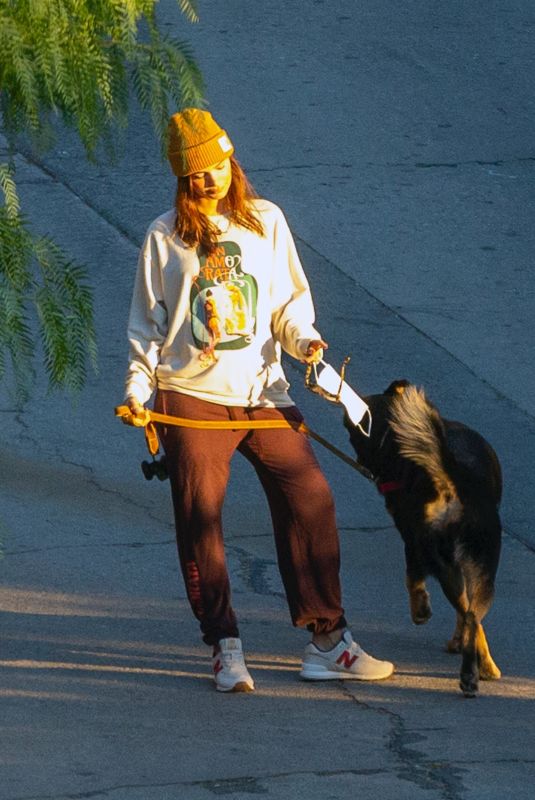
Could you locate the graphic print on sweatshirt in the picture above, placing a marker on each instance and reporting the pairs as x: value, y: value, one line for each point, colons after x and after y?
x: 223, y: 301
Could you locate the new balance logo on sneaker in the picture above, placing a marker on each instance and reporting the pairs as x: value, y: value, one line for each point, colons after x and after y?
x: 345, y: 661
x: 230, y: 672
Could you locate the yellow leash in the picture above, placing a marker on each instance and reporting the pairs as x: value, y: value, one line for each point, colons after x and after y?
x: 148, y: 420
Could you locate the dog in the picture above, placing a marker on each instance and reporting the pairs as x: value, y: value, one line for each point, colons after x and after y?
x: 442, y: 485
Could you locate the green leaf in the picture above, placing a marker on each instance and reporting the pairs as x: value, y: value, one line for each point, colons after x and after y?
x: 9, y: 189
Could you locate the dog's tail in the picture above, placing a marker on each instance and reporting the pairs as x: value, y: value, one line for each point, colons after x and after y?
x: 420, y: 434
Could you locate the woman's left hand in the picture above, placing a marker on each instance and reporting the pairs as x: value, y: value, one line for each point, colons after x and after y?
x: 314, y: 352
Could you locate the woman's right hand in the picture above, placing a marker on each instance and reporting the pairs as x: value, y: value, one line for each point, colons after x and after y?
x: 138, y: 410
x: 135, y: 406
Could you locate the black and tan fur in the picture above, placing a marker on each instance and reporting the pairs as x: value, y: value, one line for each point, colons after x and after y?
x: 442, y: 485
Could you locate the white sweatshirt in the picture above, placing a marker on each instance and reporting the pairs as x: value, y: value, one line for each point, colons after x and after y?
x: 212, y: 327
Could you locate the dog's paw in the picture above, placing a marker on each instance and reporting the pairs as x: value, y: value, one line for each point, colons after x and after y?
x: 420, y: 608
x: 469, y: 684
x: 421, y: 619
x: 488, y: 671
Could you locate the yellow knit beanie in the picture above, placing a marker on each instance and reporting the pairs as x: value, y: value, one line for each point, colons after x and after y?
x: 196, y: 142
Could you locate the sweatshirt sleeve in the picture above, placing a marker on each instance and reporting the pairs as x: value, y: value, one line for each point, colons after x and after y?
x: 147, y: 324
x: 292, y: 319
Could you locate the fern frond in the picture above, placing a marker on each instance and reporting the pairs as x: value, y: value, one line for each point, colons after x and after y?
x: 189, y: 9
x: 65, y: 306
x: 36, y: 273
x: 54, y: 336
x: 185, y: 83
x: 16, y: 339
x: 9, y: 190
x: 15, y: 251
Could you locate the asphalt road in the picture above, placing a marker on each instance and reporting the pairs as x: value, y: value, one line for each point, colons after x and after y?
x: 398, y: 140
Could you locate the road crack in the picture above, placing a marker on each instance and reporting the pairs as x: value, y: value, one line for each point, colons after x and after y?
x: 439, y: 776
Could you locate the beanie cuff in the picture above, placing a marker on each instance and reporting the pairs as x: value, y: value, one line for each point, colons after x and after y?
x: 199, y: 157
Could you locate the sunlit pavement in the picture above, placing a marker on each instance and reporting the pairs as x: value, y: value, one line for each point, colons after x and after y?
x: 398, y: 143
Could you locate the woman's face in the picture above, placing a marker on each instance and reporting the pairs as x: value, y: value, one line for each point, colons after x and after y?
x: 212, y: 183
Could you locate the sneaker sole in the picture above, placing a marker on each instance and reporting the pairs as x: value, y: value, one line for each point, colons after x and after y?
x: 327, y: 675
x: 242, y: 686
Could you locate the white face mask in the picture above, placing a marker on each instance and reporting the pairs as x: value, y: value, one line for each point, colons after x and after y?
x: 329, y: 380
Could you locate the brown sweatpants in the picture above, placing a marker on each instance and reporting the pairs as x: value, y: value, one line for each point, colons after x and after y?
x: 299, y: 498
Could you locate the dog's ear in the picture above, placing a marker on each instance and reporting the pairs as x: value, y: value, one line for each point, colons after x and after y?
x: 397, y: 387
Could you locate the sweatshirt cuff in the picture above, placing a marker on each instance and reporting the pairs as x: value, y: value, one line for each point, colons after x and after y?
x: 138, y: 390
x: 301, y: 345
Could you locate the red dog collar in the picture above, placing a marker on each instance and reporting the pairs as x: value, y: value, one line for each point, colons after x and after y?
x: 390, y: 486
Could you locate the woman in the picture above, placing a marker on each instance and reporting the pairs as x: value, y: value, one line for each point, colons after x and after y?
x: 219, y: 291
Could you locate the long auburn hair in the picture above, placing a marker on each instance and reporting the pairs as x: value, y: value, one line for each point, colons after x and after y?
x: 195, y: 228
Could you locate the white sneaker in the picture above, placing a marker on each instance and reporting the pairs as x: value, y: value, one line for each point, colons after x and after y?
x: 230, y: 672
x: 345, y: 661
